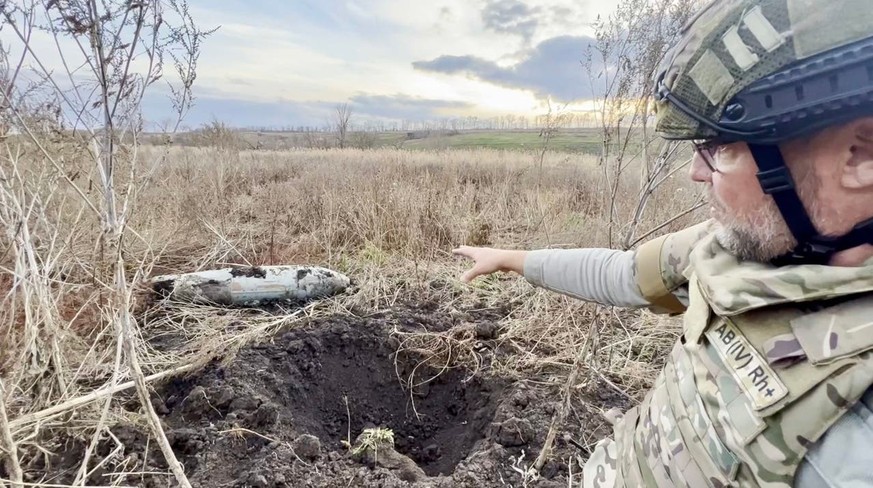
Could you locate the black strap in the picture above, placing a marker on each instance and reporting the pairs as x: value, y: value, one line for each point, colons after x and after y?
x: 776, y: 181
x: 819, y: 249
x: 859, y: 235
x: 812, y: 247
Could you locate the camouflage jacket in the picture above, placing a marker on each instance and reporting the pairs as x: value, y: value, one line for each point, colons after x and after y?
x: 769, y: 359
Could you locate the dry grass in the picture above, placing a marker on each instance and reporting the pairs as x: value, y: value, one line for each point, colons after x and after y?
x: 388, y: 218
x: 279, y: 206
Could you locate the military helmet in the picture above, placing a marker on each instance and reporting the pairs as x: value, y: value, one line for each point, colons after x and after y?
x: 764, y: 72
x: 767, y: 71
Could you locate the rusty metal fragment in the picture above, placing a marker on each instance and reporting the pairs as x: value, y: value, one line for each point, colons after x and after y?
x: 252, y: 285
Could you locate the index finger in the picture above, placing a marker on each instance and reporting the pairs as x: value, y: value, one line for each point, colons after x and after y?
x: 462, y: 250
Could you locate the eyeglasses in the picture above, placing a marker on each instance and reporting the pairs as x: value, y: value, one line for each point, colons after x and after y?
x: 707, y: 148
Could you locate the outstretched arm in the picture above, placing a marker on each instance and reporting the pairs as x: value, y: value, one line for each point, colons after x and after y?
x: 598, y: 275
x: 605, y: 276
x: 650, y: 276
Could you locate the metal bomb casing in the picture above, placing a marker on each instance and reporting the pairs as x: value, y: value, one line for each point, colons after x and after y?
x: 251, y: 285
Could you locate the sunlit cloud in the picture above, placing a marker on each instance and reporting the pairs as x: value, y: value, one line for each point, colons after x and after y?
x: 274, y: 62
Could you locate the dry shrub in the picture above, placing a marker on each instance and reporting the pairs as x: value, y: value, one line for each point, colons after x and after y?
x: 87, y: 218
x: 389, y: 218
x: 280, y: 207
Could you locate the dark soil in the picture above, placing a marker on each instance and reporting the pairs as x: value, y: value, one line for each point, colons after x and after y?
x: 278, y: 414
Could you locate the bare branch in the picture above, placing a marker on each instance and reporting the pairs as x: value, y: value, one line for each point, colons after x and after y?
x: 341, y: 117
x: 629, y: 46
x: 101, y: 45
x: 13, y: 466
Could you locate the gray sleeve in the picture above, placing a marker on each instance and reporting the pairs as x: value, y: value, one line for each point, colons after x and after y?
x: 843, y: 455
x: 605, y: 276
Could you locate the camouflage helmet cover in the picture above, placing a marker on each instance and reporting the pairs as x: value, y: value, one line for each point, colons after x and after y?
x: 730, y: 47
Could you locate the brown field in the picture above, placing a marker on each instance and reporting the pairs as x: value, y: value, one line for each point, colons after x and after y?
x: 388, y: 218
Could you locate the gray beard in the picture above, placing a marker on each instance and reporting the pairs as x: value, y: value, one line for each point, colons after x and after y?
x: 747, y: 246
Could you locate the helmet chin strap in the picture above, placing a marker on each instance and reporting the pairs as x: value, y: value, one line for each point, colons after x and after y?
x: 812, y: 247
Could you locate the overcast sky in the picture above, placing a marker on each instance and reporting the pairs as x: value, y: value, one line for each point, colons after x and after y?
x: 284, y: 62
x: 280, y: 63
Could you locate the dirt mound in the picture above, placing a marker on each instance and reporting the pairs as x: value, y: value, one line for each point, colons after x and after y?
x: 328, y: 381
x: 287, y: 411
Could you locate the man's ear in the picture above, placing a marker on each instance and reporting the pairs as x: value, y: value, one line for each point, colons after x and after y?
x: 858, y: 170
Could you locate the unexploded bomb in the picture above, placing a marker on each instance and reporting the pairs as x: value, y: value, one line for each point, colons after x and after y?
x: 252, y: 285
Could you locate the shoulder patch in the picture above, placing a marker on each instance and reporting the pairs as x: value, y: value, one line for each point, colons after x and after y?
x: 747, y: 366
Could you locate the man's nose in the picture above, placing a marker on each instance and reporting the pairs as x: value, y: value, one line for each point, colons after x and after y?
x: 700, y: 171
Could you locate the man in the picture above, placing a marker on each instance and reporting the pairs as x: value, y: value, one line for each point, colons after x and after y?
x: 770, y: 382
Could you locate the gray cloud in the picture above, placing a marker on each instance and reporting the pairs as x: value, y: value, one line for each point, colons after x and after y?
x: 288, y: 113
x: 239, y: 81
x: 566, y: 17
x: 511, y: 17
x: 561, y: 12
x: 403, y: 106
x: 552, y: 68
x: 239, y: 113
